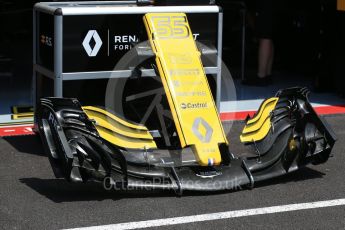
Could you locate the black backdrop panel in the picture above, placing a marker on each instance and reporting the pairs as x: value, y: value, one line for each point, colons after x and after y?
x: 118, y: 33
x: 45, y: 41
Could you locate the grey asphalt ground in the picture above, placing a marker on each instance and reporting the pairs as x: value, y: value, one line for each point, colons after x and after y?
x: 31, y: 198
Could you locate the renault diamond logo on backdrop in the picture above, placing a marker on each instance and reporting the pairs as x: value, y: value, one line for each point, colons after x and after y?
x: 92, y: 36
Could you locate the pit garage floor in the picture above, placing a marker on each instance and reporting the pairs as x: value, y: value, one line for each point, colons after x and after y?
x: 31, y: 198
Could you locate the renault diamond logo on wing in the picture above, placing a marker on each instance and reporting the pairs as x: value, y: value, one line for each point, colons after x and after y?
x: 202, y: 130
x: 92, y: 35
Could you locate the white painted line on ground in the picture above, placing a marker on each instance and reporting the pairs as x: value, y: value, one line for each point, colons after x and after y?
x: 16, y: 125
x: 9, y: 130
x: 253, y: 105
x: 217, y: 216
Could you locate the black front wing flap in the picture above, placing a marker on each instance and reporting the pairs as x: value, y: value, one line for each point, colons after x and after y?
x: 297, y: 136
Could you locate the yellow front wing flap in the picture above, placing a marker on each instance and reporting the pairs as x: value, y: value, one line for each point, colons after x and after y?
x: 118, y: 131
x: 258, y: 127
x: 186, y: 86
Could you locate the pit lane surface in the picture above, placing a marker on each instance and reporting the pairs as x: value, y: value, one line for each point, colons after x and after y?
x: 31, y: 198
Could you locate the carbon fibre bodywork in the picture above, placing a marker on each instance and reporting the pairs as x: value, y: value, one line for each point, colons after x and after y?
x: 296, y: 137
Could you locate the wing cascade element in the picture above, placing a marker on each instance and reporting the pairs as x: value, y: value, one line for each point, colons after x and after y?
x: 258, y: 127
x: 118, y: 131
